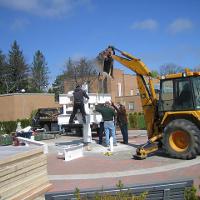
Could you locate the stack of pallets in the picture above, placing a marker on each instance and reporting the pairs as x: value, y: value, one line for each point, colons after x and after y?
x: 24, y: 175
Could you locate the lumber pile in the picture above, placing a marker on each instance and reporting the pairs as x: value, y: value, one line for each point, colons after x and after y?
x: 23, y: 176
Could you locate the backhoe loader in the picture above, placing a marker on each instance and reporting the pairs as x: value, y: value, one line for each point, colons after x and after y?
x: 173, y: 118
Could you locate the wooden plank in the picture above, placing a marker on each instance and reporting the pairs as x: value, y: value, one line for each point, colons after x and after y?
x: 24, y: 184
x: 22, y: 164
x: 34, y: 193
x: 24, y: 175
x: 23, y: 170
x: 20, y: 156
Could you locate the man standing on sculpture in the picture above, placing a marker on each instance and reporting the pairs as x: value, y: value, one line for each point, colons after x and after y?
x: 79, y: 95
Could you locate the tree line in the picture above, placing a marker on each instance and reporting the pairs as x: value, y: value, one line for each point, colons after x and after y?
x: 16, y: 75
x: 76, y: 72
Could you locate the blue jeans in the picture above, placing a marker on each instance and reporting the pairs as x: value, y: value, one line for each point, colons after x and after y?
x: 109, y: 127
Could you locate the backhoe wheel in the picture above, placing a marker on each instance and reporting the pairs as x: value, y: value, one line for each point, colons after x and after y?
x: 181, y: 139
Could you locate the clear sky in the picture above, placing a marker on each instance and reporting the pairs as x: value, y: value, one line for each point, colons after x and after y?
x: 157, y: 31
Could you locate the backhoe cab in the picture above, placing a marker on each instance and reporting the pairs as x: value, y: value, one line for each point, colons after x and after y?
x: 173, y: 120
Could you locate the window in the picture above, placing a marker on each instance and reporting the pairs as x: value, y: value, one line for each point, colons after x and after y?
x: 196, y: 85
x: 167, y: 100
x: 131, y: 106
x: 176, y: 95
x: 131, y: 92
x: 119, y: 89
x: 183, y: 95
x: 137, y: 92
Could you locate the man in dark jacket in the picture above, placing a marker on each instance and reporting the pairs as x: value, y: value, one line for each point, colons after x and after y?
x: 122, y: 121
x: 79, y: 95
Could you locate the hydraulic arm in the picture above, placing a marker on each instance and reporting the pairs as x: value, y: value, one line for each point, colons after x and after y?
x: 147, y: 94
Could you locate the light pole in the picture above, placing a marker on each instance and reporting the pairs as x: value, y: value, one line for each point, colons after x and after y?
x: 23, y: 101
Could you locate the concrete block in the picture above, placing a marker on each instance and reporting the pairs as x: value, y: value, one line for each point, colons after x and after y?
x: 70, y: 152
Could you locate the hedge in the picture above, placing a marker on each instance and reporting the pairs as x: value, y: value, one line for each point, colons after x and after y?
x: 7, y: 127
x: 136, y: 120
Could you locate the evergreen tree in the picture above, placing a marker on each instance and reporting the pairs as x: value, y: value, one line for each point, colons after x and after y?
x: 58, y: 86
x: 4, y: 76
x: 39, y: 73
x: 18, y: 69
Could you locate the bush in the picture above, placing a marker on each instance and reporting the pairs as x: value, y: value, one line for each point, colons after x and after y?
x: 5, y: 139
x: 7, y: 127
x: 24, y: 122
x: 141, y: 122
x: 132, y: 118
x: 136, y: 120
x: 121, y: 195
x: 190, y: 193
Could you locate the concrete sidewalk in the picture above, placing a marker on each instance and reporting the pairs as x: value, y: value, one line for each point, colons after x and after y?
x: 95, y: 170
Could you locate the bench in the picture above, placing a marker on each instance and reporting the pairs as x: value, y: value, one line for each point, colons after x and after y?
x: 164, y: 191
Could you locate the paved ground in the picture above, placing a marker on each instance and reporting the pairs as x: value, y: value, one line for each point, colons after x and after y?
x: 95, y: 170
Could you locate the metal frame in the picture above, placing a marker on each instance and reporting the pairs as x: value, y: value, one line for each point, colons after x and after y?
x: 164, y: 191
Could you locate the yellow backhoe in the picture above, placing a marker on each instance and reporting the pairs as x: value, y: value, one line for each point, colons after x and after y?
x: 173, y: 119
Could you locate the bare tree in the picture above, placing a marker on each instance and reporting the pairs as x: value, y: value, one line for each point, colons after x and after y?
x: 81, y: 71
x: 197, y: 68
x: 170, y: 69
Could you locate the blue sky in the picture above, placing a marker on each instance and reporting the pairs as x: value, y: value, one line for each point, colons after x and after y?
x: 157, y: 31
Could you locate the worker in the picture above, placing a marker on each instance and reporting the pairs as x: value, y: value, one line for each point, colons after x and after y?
x: 100, y: 131
x: 108, y: 64
x: 122, y: 121
x: 79, y: 95
x: 106, y: 56
x: 108, y: 115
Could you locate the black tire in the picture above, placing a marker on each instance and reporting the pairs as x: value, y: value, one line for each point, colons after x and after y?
x: 46, y: 127
x: 181, y: 139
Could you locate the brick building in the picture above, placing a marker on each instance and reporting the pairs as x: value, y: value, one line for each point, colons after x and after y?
x: 123, y: 89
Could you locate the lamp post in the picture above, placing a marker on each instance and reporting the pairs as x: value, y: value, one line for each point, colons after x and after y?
x: 23, y: 101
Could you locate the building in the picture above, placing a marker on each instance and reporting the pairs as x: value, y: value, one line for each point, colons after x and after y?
x: 123, y: 89
x: 20, y: 105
